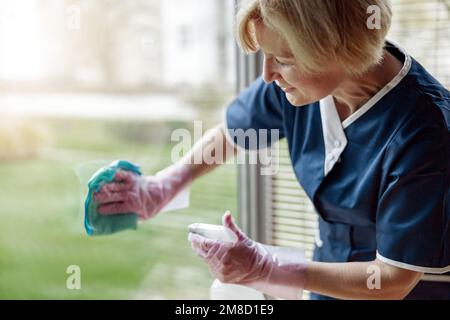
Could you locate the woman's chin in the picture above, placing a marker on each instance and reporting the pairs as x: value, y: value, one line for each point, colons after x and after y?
x: 296, y: 101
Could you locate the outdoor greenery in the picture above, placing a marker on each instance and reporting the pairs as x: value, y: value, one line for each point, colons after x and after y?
x: 41, y: 229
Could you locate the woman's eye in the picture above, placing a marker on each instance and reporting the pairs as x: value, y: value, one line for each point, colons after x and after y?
x: 281, y: 63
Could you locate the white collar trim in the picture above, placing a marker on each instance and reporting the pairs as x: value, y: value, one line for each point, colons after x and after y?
x: 380, y: 94
x: 333, y: 129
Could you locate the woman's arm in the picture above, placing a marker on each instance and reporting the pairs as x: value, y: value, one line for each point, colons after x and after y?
x: 213, y: 149
x: 358, y: 280
x: 284, y: 276
x: 147, y: 195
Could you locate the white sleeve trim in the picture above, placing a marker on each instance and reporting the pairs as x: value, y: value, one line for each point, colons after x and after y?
x: 435, y: 278
x: 412, y: 267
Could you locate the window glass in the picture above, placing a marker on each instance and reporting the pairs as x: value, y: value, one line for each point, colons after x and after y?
x: 83, y: 83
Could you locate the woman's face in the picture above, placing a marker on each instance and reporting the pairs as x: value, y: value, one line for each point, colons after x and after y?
x: 281, y: 67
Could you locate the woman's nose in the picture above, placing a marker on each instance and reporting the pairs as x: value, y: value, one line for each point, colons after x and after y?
x: 269, y: 72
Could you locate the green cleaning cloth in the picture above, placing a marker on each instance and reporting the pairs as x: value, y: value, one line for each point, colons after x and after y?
x: 97, y: 224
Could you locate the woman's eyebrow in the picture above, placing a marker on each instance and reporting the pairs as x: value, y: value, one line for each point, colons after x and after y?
x: 287, y: 56
x: 281, y: 55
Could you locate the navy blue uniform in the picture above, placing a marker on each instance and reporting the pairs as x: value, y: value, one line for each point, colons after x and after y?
x: 379, y: 180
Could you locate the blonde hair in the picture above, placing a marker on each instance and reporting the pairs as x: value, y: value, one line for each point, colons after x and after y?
x: 319, y: 31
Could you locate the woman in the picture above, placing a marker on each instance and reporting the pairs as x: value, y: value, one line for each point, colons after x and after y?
x: 368, y: 134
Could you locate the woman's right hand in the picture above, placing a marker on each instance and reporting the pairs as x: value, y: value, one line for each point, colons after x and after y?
x: 143, y: 195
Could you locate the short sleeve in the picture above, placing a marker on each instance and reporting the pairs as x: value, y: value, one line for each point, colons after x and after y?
x: 413, y: 215
x: 255, y: 118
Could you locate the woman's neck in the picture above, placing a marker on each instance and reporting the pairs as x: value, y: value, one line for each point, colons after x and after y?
x: 354, y: 92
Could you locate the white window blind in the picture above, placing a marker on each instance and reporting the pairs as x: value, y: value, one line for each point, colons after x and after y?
x: 422, y: 28
x: 293, y: 222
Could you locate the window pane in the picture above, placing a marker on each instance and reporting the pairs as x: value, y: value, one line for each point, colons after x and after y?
x: 83, y: 83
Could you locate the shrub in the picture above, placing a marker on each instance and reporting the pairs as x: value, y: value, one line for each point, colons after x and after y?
x: 22, y: 138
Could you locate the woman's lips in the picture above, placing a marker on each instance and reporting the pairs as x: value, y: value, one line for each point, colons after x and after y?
x: 285, y: 89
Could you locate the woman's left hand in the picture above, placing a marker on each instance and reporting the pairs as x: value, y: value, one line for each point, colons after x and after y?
x: 241, y: 262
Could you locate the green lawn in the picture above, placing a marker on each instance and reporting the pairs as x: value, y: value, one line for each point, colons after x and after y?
x: 41, y: 229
